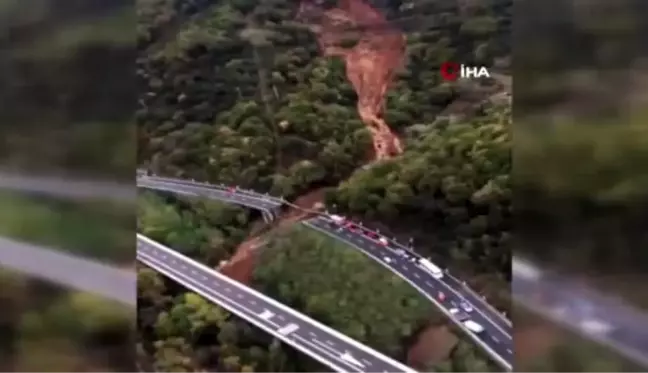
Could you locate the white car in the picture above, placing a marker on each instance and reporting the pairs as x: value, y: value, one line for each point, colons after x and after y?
x: 464, y: 319
x: 594, y: 326
x: 473, y: 326
x: 387, y: 259
x: 383, y: 241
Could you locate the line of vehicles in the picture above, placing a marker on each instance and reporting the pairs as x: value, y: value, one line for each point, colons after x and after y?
x: 460, y: 311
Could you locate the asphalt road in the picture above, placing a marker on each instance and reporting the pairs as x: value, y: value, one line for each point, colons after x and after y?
x: 606, y: 320
x: 253, y: 201
x: 552, y: 296
x: 212, y: 186
x: 64, y: 187
x: 496, y: 339
x: 312, y: 338
x: 69, y: 270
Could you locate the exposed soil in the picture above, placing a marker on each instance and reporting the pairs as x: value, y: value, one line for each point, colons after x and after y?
x: 533, y: 342
x: 310, y: 201
x: 240, y: 267
x: 370, y: 66
x: 432, y: 346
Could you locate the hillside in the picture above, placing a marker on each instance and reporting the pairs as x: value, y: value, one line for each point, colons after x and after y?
x: 286, y: 98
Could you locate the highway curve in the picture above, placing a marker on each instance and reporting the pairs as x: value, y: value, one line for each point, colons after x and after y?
x: 496, y: 340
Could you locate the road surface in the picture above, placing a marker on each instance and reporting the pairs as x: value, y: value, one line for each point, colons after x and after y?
x: 63, y: 187
x: 322, y: 343
x: 267, y: 204
x: 69, y: 270
x: 496, y: 340
x: 606, y: 320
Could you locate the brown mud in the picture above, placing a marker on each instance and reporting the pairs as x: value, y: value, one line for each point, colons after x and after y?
x: 371, y: 65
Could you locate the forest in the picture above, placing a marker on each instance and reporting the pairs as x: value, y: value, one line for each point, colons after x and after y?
x: 59, y: 118
x: 237, y: 92
x: 181, y: 331
x: 241, y: 96
x: 263, y: 109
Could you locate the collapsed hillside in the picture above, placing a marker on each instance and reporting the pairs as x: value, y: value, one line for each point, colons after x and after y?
x: 247, y: 96
x: 370, y: 63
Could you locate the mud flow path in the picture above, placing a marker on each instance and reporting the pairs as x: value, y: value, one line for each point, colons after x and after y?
x: 370, y: 64
x: 370, y: 68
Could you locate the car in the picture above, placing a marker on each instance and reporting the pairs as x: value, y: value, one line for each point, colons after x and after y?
x: 387, y: 259
x: 458, y: 314
x: 383, y: 241
x: 473, y: 326
x: 464, y: 319
x: 595, y: 326
x: 465, y: 306
x: 370, y: 234
x: 231, y: 189
x: 441, y: 296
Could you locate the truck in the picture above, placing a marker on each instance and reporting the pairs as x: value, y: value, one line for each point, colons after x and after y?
x: 426, y: 265
x: 337, y: 219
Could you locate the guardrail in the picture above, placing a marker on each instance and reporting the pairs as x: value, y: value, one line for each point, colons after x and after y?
x: 69, y: 270
x: 487, y: 348
x: 263, y: 299
x: 65, y: 187
x: 447, y: 313
x: 492, y: 309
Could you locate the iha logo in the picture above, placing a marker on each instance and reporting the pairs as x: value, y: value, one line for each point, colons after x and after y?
x: 452, y: 71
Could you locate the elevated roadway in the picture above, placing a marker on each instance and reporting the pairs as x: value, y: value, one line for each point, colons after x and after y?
x: 316, y: 340
x: 496, y: 339
x: 69, y: 270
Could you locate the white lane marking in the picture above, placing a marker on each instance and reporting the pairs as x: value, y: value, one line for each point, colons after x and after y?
x: 330, y: 343
x: 322, y: 349
x: 228, y: 290
x: 349, y: 358
x: 193, y: 271
x: 495, y: 339
x: 183, y: 266
x: 266, y: 315
x: 290, y: 328
x: 220, y: 297
x: 173, y: 261
x: 253, y: 302
x: 426, y: 293
x: 326, y: 347
x: 509, y: 351
x: 239, y: 295
x: 415, y: 274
